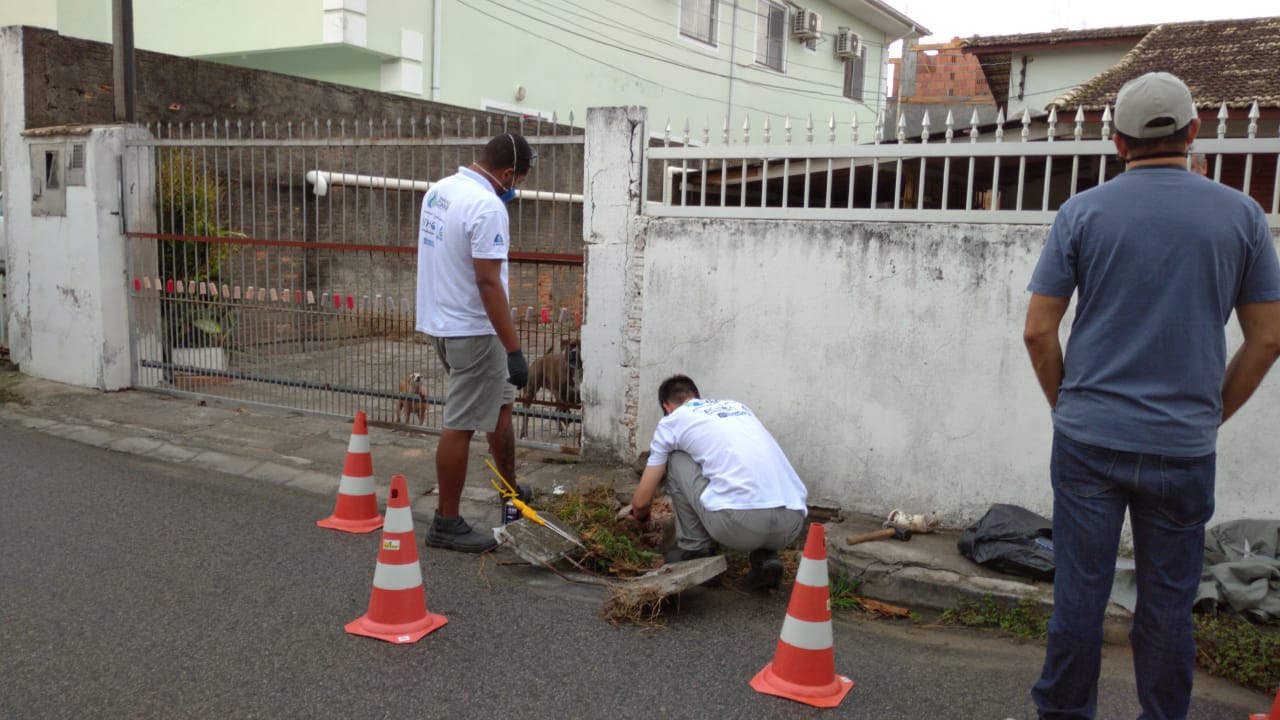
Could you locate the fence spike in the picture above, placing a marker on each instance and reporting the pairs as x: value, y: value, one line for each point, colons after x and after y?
x: 999, y: 124
x: 686, y: 132
x: 1106, y: 121
x: 879, y: 133
x: 666, y: 133
x: 951, y: 125
x: 1222, y: 120
x: 1078, y: 131
x: 766, y: 133
x: 808, y: 130
x: 924, y: 127
x: 726, y: 130
x: 831, y: 129
x: 973, y: 126
x: 1253, y: 120
x: 1026, y: 123
x: 853, y: 128
x: 902, y: 128
x: 746, y: 129
x: 1053, y: 122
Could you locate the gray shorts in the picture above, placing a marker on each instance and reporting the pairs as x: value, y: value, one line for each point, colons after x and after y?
x: 478, y: 387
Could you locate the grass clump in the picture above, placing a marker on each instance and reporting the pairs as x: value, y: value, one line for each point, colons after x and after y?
x: 615, y: 548
x: 844, y: 594
x: 1025, y: 619
x: 1246, y: 653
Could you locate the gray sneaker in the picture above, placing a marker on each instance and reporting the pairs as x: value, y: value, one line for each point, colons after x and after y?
x: 453, y: 533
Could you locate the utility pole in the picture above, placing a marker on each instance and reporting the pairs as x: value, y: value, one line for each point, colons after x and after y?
x: 122, y: 69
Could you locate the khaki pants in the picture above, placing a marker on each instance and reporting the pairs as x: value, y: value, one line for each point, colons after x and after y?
x: 737, y: 530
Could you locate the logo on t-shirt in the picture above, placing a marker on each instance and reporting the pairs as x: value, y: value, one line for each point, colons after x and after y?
x: 498, y: 240
x: 434, y: 200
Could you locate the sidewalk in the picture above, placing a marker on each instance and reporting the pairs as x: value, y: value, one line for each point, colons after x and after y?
x: 308, y: 452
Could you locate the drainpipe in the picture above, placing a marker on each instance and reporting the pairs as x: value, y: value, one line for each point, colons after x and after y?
x: 437, y: 11
x: 733, y: 52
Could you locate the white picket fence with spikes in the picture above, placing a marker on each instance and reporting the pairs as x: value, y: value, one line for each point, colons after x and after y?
x: 920, y: 179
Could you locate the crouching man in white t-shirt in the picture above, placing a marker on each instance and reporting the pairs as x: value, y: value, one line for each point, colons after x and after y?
x: 729, y: 482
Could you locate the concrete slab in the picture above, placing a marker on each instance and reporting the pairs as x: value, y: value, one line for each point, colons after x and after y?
x: 136, y: 445
x: 677, y: 577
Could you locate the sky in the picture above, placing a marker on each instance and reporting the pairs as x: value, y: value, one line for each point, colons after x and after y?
x: 948, y: 18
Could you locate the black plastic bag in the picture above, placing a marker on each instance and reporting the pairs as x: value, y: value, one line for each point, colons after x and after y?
x: 1012, y: 540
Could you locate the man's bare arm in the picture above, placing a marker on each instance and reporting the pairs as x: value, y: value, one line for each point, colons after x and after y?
x: 1260, y: 323
x: 647, y: 490
x: 1040, y: 335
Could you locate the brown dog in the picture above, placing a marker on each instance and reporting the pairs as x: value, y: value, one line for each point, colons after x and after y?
x: 412, y: 407
x: 559, y: 372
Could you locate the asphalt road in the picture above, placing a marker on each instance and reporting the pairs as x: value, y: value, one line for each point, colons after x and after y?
x: 131, y: 588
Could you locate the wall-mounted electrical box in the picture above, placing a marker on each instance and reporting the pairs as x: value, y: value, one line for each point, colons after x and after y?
x: 54, y: 167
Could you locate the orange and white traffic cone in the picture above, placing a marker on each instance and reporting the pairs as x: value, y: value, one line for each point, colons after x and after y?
x: 397, y: 606
x: 1275, y: 710
x: 357, y: 508
x: 803, y: 667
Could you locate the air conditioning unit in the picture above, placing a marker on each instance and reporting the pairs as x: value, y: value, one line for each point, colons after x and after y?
x: 848, y: 44
x: 806, y: 25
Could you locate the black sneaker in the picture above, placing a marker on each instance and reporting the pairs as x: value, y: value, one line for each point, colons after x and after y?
x: 524, y: 493
x: 766, y: 570
x: 455, y: 534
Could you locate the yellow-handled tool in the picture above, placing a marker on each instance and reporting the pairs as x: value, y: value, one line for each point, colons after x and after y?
x: 509, y: 493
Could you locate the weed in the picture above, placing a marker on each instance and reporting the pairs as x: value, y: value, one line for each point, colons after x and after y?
x: 1025, y: 620
x: 1230, y: 646
x: 616, y: 548
x: 844, y: 594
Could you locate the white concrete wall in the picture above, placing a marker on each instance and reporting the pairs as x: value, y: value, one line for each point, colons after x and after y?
x: 887, y: 359
x: 1053, y: 72
x: 613, y: 306
x: 68, y: 302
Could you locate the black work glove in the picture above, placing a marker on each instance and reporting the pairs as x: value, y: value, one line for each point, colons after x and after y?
x: 517, y: 369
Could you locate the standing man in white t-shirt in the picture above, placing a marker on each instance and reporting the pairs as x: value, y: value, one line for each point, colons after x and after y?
x: 463, y: 238
x: 728, y: 480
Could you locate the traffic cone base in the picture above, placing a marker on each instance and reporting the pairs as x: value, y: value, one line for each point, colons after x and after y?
x: 1275, y: 710
x: 826, y: 696
x: 397, y: 604
x: 401, y: 633
x: 803, y: 667
x: 356, y: 510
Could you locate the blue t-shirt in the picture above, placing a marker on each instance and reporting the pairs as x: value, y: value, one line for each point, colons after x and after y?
x: 1159, y: 257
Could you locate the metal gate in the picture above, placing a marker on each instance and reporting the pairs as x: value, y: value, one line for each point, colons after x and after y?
x: 277, y: 266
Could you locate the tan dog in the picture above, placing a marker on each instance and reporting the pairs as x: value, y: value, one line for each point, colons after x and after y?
x: 412, y: 407
x: 559, y: 372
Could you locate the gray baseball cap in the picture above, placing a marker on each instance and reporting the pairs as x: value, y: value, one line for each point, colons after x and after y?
x: 1153, y: 105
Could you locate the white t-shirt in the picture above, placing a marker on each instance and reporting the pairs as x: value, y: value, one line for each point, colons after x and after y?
x: 462, y: 218
x: 745, y: 468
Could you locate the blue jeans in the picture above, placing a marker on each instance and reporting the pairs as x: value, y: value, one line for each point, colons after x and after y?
x: 1169, y: 500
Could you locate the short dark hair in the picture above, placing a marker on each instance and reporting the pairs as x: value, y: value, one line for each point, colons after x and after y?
x: 1174, y: 142
x: 508, y: 150
x: 677, y: 387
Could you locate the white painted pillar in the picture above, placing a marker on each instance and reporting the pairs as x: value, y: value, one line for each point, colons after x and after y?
x: 614, y: 232
x: 69, y: 312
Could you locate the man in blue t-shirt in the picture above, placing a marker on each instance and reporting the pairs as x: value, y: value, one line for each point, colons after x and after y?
x: 1158, y: 258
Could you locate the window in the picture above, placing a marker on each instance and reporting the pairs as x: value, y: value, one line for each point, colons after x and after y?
x: 854, y: 74
x: 698, y: 20
x: 771, y: 33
